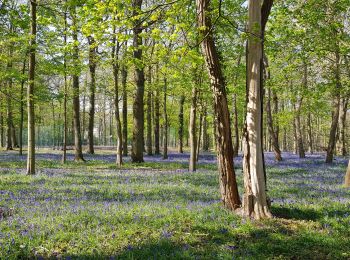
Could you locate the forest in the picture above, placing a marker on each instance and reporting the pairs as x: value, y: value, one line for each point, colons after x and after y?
x: 174, y: 129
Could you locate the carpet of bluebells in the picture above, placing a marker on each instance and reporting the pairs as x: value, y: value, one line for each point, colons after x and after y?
x: 158, y: 210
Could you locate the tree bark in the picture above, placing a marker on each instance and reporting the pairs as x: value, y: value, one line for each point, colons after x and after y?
x: 78, y: 152
x: 2, y: 141
x: 138, y: 109
x: 255, y: 202
x: 92, y: 68
x: 200, y: 129
x: 228, y: 185
x: 149, y: 114
x: 30, y: 91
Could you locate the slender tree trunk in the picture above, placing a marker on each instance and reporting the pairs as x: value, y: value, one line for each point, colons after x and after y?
x: 30, y: 92
x: 92, y: 67
x: 165, y: 118
x: 78, y: 155
x: 235, y: 126
x: 273, y: 135
x: 336, y: 110
x: 228, y: 185
x: 9, y: 108
x: 200, y: 129
x: 205, y: 131
x: 22, y: 111
x: 149, y: 113
x: 181, y: 123
x: 298, y: 130
x: 255, y: 202
x: 65, y: 121
x: 124, y: 73
x: 115, y: 65
x: 138, y: 110
x: 192, y: 130
x: 343, y: 126
x: 2, y: 141
x: 309, y: 133
x: 156, y: 120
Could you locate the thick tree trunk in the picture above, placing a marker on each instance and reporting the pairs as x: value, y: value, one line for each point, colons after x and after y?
x: 30, y: 92
x: 181, y: 123
x: 124, y: 73
x: 149, y: 114
x: 78, y: 152
x: 255, y: 202
x: 335, y: 112
x: 92, y: 67
x: 138, y: 110
x: 228, y: 185
x: 192, y: 130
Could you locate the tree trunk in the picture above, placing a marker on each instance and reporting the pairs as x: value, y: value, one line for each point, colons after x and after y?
x: 149, y: 113
x: 181, y: 123
x: 273, y: 135
x: 347, y: 176
x: 309, y: 133
x: 298, y: 131
x: 65, y: 126
x: 165, y: 118
x: 336, y: 110
x: 92, y: 67
x: 235, y: 126
x: 9, y: 108
x: 156, y: 124
x: 78, y: 153
x: 205, y: 131
x: 22, y: 111
x: 115, y: 66
x: 343, y: 126
x: 228, y: 185
x: 124, y: 73
x: 2, y: 141
x: 192, y: 130
x: 255, y: 202
x: 200, y: 129
x: 30, y: 92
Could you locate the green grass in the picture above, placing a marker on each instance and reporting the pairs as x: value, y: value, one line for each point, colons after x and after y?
x: 94, y: 211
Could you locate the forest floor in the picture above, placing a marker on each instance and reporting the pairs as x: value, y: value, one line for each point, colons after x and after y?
x: 158, y: 210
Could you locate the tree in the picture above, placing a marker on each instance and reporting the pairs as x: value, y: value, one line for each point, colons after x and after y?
x: 255, y: 201
x: 30, y: 91
x: 78, y: 152
x: 138, y: 110
x: 228, y: 184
